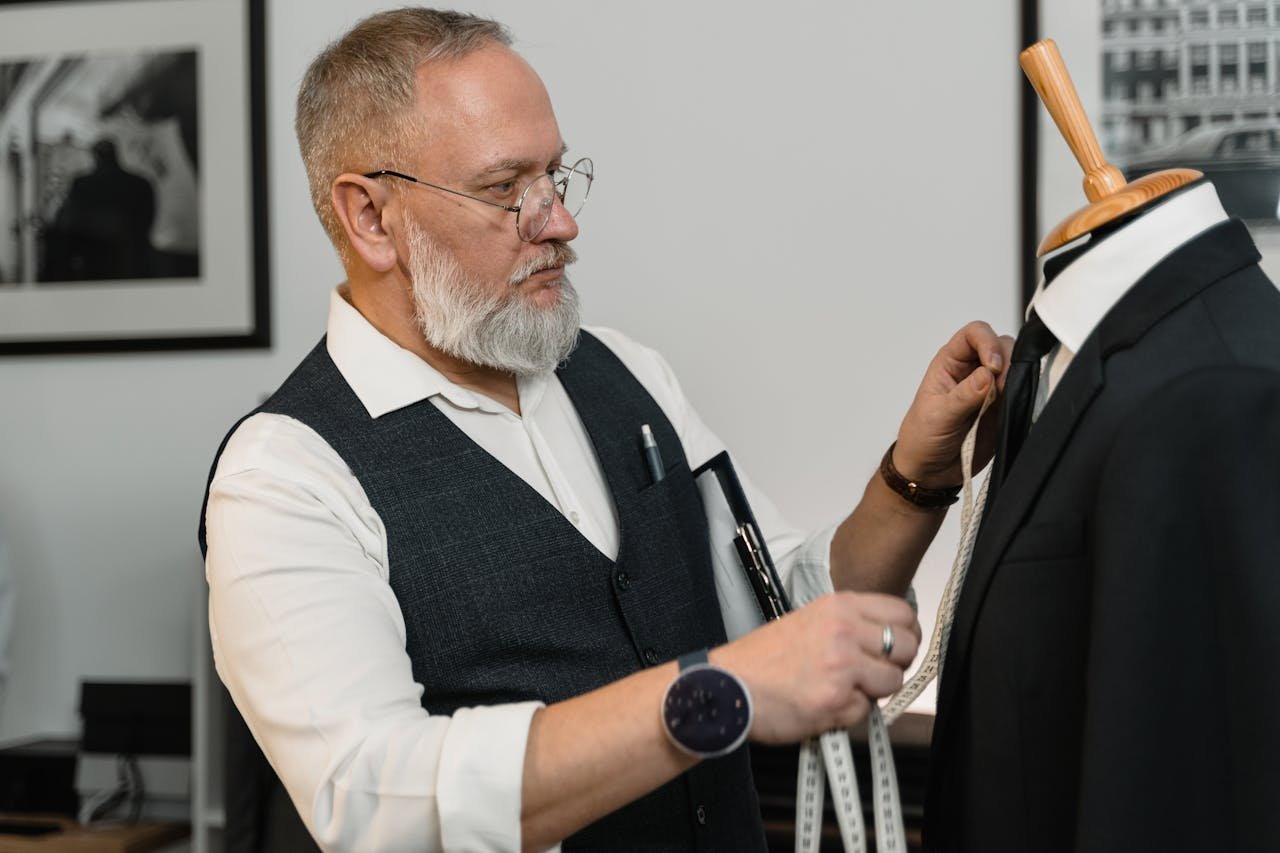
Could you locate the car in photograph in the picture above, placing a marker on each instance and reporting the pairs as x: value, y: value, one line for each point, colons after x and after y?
x: 1242, y: 159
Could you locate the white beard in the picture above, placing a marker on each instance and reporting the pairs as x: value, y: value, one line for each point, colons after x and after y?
x: 465, y: 318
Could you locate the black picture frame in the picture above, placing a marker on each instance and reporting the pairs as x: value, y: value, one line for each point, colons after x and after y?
x: 1028, y: 158
x: 76, y: 72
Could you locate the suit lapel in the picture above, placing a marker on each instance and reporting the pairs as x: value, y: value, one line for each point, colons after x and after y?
x: 1070, y: 400
x: 1181, y: 276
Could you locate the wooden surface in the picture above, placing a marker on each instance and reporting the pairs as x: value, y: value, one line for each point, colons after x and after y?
x: 1044, y: 67
x: 1104, y: 186
x: 1129, y: 198
x: 105, y: 838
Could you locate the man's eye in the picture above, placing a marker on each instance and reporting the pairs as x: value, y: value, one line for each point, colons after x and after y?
x: 504, y: 188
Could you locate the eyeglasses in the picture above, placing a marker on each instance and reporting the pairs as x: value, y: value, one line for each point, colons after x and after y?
x: 571, y: 184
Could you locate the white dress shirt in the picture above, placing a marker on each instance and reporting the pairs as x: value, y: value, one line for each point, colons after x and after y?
x: 1083, y: 292
x: 310, y: 640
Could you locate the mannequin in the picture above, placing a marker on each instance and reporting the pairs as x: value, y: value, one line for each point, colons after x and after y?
x: 1109, y: 679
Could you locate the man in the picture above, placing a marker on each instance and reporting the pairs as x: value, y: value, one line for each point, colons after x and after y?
x: 104, y: 225
x: 446, y: 593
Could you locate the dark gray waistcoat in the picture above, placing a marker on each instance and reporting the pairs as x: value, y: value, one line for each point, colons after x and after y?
x: 505, y: 601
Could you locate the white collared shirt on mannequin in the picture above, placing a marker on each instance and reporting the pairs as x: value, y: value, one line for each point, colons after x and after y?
x: 1083, y: 292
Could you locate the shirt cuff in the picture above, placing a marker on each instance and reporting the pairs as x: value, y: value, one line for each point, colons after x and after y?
x: 809, y: 576
x: 480, y: 777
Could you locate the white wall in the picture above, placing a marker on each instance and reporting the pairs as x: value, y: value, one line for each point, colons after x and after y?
x: 797, y: 205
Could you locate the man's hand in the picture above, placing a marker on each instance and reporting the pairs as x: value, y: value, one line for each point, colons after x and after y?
x: 819, y: 667
x: 954, y: 386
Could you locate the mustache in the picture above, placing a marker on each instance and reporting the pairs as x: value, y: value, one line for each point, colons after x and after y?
x: 557, y: 254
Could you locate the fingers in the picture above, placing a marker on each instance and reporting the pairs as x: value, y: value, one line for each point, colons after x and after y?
x: 970, y: 392
x: 879, y: 606
x: 854, y: 711
x: 881, y: 621
x: 971, y: 363
x: 903, y: 645
x: 879, y: 677
x: 817, y: 666
x: 983, y: 340
x: 957, y: 382
x: 884, y: 622
x: 1006, y: 352
x: 975, y: 344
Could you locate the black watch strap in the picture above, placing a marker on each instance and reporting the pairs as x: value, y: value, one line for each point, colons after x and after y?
x: 689, y: 659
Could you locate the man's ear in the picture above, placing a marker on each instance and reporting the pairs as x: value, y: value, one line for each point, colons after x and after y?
x: 361, y: 204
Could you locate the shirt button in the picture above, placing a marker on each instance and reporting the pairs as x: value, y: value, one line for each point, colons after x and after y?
x: 650, y: 656
x: 574, y: 517
x: 623, y: 579
x: 702, y: 816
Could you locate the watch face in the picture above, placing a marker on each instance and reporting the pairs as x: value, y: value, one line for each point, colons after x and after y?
x: 707, y: 711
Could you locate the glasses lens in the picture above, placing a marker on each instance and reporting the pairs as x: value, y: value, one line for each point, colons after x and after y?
x: 535, y: 208
x: 573, y: 183
x: 577, y: 184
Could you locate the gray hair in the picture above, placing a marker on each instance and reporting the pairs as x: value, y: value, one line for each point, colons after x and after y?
x: 358, y: 94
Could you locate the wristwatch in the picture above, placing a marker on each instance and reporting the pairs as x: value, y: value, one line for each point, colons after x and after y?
x: 707, y: 710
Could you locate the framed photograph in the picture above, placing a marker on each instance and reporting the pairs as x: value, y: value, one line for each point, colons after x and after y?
x: 1177, y: 83
x: 132, y: 175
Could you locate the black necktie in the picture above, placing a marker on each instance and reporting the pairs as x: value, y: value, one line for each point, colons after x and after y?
x: 1033, y: 343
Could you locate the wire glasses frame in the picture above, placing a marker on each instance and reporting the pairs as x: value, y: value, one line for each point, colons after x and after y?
x: 534, y: 210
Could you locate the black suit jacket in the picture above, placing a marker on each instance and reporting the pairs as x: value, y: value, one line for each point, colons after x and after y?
x: 1112, y: 679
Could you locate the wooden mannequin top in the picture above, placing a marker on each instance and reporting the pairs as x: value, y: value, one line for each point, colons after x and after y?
x: 1109, y: 196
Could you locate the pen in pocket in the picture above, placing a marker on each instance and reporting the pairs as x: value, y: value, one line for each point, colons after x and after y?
x: 651, y: 454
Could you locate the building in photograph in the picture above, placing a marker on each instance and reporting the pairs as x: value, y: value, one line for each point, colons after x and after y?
x: 1171, y: 66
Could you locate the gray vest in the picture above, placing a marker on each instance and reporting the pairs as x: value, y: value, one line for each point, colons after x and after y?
x: 505, y: 601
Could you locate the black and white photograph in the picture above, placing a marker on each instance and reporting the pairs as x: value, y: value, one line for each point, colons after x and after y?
x: 1191, y: 84
x: 130, y: 177
x: 111, y: 155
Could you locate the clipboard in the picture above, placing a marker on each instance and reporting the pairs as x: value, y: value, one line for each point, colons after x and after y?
x: 747, y: 583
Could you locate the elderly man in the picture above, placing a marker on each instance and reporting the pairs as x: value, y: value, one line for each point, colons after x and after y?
x: 446, y: 592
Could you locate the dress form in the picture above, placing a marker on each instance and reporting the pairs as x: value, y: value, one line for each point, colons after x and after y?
x: 1110, y: 198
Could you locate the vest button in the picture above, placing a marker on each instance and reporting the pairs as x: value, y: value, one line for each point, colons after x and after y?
x: 701, y: 814
x: 623, y: 579
x: 650, y: 657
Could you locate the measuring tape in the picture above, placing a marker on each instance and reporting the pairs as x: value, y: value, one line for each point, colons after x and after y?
x: 833, y: 748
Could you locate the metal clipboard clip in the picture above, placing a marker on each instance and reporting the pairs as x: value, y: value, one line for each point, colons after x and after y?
x: 751, y: 552
x: 747, y: 584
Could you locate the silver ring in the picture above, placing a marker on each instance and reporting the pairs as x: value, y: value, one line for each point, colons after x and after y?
x: 886, y: 640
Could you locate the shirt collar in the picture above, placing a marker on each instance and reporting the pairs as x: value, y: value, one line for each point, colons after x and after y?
x: 1090, y: 285
x: 387, y: 377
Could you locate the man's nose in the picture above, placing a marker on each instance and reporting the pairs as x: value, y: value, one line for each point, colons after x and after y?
x: 561, y: 226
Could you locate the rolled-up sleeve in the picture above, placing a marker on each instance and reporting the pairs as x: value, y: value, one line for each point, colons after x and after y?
x: 310, y: 641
